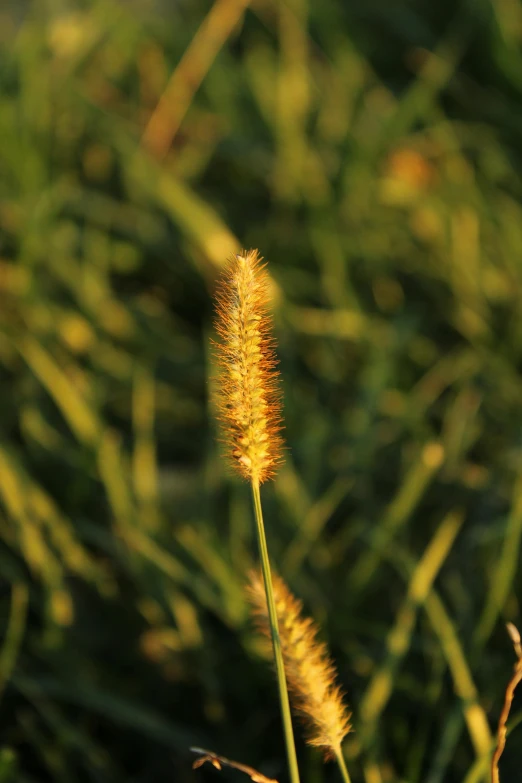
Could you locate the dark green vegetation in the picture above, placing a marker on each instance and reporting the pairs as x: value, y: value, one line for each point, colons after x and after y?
x: 373, y: 155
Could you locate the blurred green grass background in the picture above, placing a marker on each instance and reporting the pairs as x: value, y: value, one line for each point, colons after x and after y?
x: 372, y: 152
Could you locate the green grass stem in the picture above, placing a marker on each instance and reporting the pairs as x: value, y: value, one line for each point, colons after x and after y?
x: 342, y: 766
x: 276, y: 641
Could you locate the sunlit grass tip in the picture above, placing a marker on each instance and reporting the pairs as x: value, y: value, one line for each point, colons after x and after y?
x: 310, y: 672
x: 249, y: 399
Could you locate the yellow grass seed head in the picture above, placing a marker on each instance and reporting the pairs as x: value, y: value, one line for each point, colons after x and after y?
x: 310, y: 672
x: 249, y: 397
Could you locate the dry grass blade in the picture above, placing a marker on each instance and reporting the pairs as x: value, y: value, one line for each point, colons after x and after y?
x: 510, y: 692
x: 190, y: 72
x: 398, y: 640
x: 220, y: 761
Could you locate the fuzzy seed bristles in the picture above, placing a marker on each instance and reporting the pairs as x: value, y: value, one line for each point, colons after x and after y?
x: 249, y: 400
x: 310, y: 672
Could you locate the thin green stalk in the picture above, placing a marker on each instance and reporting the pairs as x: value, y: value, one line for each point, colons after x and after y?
x: 14, y: 632
x: 276, y: 641
x: 342, y: 766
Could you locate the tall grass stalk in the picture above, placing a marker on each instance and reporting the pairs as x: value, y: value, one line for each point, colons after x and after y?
x: 250, y: 405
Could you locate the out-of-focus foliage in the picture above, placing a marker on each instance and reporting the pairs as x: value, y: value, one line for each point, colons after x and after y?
x: 372, y: 152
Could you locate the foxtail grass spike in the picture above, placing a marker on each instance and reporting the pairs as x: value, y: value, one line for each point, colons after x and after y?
x: 310, y: 673
x: 249, y: 397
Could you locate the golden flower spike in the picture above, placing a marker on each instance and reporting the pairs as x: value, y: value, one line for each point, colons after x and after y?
x: 310, y: 672
x: 249, y: 397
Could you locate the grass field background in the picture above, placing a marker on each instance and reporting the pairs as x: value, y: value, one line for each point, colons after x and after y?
x: 372, y: 152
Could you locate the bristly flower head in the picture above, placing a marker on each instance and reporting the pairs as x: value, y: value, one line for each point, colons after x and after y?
x: 249, y: 397
x: 310, y: 672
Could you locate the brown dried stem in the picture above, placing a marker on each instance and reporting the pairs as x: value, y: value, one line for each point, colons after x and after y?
x: 220, y: 761
x: 510, y: 692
